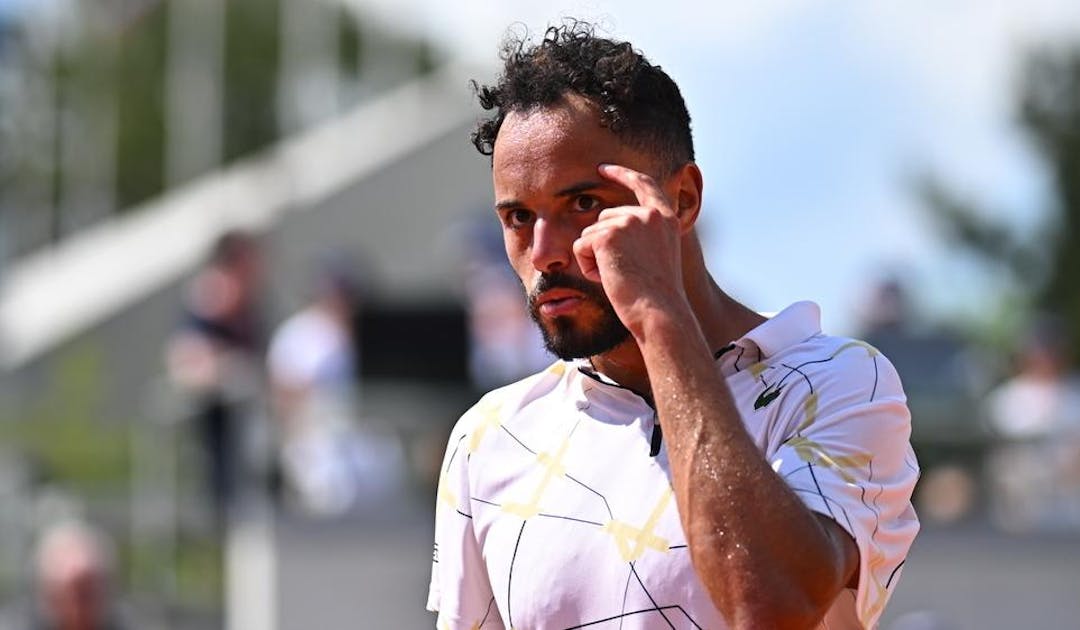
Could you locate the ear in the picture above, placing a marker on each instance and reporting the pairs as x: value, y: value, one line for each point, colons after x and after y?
x: 688, y: 187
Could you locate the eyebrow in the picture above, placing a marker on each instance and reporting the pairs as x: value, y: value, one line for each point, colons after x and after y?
x: 569, y: 191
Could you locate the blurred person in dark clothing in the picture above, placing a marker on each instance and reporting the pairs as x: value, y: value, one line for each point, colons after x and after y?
x: 215, y: 354
x: 934, y: 362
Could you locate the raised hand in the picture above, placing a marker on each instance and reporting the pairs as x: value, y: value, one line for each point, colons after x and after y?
x: 634, y: 251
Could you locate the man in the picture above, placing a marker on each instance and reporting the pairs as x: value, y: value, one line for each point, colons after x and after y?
x: 688, y: 463
x: 213, y: 357
x: 74, y: 578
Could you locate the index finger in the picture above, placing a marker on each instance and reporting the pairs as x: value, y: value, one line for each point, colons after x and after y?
x: 645, y: 188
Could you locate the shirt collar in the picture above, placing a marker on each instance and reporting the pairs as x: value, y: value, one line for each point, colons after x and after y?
x: 794, y: 324
x: 590, y: 380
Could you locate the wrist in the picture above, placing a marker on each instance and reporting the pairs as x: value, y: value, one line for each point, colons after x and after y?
x: 666, y: 325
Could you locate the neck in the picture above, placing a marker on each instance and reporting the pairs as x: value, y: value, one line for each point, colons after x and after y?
x: 721, y: 318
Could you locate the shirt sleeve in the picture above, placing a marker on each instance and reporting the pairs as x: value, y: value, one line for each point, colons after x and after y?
x: 849, y: 457
x: 460, y: 591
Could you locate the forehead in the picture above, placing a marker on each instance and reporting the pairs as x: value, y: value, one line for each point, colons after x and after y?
x: 551, y: 146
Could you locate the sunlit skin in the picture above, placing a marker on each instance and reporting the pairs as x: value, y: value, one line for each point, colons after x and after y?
x: 573, y: 198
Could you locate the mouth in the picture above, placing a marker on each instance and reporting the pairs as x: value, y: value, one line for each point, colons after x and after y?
x: 558, y: 302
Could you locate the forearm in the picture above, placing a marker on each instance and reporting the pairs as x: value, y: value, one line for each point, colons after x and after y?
x: 765, y: 558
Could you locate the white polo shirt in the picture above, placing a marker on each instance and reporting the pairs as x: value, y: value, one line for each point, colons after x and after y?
x: 552, y: 513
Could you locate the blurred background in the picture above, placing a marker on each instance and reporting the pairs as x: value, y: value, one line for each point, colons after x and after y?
x: 249, y: 278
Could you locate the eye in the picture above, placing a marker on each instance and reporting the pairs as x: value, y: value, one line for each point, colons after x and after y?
x: 586, y: 203
x: 518, y: 218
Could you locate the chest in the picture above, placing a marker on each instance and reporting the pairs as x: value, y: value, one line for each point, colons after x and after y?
x: 578, y: 525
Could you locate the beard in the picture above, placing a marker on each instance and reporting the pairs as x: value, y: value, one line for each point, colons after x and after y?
x: 568, y: 339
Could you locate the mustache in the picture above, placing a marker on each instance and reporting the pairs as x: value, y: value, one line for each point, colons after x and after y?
x: 561, y: 280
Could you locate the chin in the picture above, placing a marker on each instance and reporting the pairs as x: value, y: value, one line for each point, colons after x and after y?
x: 568, y: 340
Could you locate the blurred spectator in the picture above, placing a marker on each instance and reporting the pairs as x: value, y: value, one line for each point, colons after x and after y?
x: 933, y: 362
x: 331, y: 463
x: 73, y: 575
x: 1035, y: 472
x: 214, y: 357
x: 504, y: 345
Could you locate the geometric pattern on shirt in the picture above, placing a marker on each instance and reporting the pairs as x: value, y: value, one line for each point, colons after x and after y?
x: 630, y: 540
x: 814, y: 453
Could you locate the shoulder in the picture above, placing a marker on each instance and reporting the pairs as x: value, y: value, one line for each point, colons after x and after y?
x: 500, y: 404
x: 469, y: 437
x: 841, y: 368
x: 837, y: 389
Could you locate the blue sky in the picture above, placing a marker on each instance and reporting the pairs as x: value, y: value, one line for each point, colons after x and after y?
x: 810, y: 120
x: 8, y: 6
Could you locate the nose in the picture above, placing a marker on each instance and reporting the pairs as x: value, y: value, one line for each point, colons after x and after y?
x: 552, y: 246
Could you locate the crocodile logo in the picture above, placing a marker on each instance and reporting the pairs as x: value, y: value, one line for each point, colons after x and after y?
x: 767, y: 396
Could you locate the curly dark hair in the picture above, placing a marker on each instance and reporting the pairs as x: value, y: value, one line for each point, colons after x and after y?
x: 637, y: 100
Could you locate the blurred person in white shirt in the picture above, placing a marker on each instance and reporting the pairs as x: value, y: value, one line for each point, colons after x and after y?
x: 1035, y: 472
x: 330, y: 461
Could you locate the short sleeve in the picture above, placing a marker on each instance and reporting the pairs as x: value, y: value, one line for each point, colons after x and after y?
x: 849, y: 457
x: 460, y: 591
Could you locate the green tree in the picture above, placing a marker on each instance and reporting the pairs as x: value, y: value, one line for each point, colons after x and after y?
x: 1044, y: 268
x: 251, y: 70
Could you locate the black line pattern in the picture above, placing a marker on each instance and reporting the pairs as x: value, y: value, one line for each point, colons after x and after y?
x: 652, y: 599
x: 829, y: 503
x: 873, y: 392
x: 487, y: 612
x: 503, y: 427
x: 912, y: 467
x: 798, y: 369
x: 571, y: 518
x: 636, y: 612
x: 611, y: 514
x: 454, y: 454
x: 820, y: 493
x: 789, y: 473
x: 607, y: 506
x: 626, y: 591
x: 876, y: 509
x: 893, y: 574
x: 510, y: 577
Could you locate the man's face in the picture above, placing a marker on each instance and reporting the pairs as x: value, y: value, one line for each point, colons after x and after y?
x: 547, y: 190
